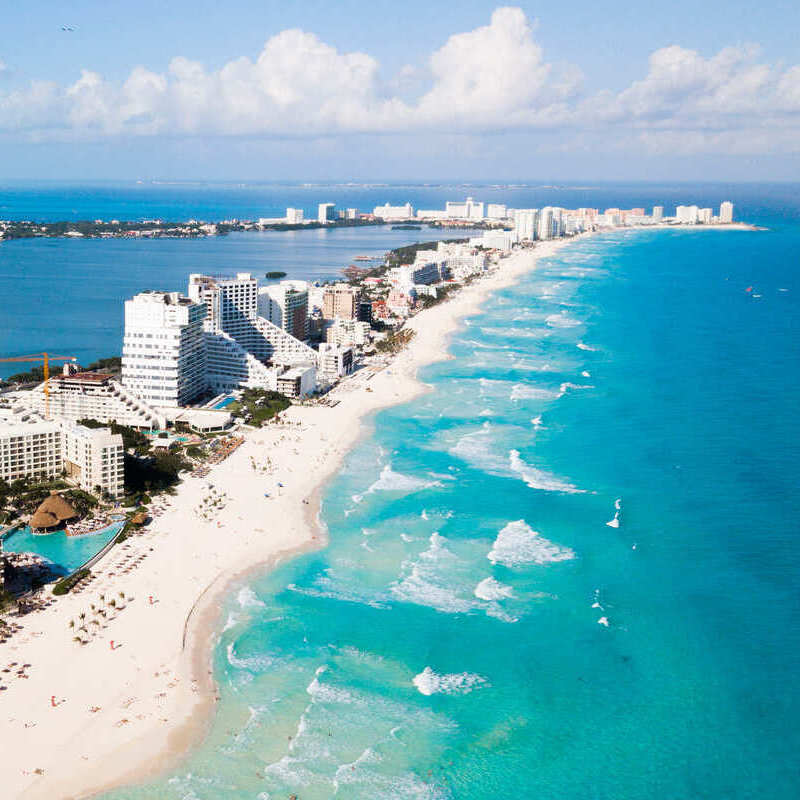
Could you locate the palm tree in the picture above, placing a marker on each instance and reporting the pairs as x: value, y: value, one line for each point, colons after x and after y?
x: 82, y: 615
x: 122, y: 595
x: 72, y: 623
x: 102, y: 598
x: 112, y: 602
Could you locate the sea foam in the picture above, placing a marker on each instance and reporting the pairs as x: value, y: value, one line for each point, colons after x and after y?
x: 562, y: 321
x: 391, y: 481
x: 522, y: 392
x: 429, y: 682
x: 537, y: 478
x: 490, y: 589
x: 518, y: 544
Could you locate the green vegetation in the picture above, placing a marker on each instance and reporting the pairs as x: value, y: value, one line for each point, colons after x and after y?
x: 257, y: 406
x: 36, y: 373
x: 395, y: 342
x: 81, y: 501
x: 65, y: 584
x: 132, y: 439
x: 426, y: 301
x: 33, y: 375
x: 6, y: 598
x: 156, y: 473
x: 274, y: 275
x: 407, y: 254
x: 112, y: 364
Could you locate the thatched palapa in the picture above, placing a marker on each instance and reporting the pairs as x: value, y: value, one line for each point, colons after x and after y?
x: 53, y: 511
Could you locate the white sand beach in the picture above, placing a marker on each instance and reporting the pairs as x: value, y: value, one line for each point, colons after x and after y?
x: 90, y: 717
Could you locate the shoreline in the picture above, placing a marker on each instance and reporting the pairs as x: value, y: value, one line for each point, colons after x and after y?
x: 152, y: 733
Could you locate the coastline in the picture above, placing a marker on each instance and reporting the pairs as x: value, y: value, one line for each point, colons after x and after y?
x: 142, y: 723
x: 105, y: 733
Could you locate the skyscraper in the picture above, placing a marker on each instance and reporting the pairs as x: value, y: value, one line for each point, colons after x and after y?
x: 163, y: 354
x: 726, y: 211
x: 658, y: 213
x: 326, y: 212
x: 285, y: 304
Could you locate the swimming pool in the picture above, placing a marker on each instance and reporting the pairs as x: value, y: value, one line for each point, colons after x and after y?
x: 66, y: 553
x: 224, y: 403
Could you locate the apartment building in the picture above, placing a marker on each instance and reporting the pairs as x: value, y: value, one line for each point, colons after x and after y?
x: 91, y: 458
x: 285, y: 304
x: 163, y: 351
x: 91, y: 395
x: 340, y: 301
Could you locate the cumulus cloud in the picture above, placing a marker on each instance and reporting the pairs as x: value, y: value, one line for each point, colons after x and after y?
x: 493, y: 78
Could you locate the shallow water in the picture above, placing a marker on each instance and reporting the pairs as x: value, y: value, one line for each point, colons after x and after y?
x: 476, y: 628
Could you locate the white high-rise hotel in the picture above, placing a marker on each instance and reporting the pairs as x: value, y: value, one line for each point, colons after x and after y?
x: 32, y: 446
x: 163, y: 352
x: 178, y: 348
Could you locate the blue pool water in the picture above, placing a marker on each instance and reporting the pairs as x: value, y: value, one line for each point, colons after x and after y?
x: 66, y: 553
x: 476, y: 629
x: 225, y: 403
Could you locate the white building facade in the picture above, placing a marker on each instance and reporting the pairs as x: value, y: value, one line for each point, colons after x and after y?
x: 163, y: 353
x: 389, y: 212
x: 93, y: 458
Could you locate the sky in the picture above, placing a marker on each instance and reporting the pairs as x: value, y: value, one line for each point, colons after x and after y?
x: 420, y: 91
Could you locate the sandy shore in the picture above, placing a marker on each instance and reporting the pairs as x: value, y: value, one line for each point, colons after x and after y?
x: 125, y: 713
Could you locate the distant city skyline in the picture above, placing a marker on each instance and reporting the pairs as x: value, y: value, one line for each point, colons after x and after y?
x: 507, y: 93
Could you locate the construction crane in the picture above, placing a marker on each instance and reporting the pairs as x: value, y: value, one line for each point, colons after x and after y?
x: 45, y: 358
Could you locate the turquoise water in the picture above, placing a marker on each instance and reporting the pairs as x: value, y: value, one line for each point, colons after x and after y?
x: 224, y: 403
x: 475, y: 629
x: 66, y: 553
x: 91, y: 279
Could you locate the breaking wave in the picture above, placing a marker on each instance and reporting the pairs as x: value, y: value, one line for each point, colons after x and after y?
x: 429, y: 682
x: 518, y: 544
x: 490, y: 589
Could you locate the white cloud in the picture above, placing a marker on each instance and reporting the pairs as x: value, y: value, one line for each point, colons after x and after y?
x: 494, y: 78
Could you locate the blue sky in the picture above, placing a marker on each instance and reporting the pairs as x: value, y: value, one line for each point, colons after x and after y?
x: 423, y: 91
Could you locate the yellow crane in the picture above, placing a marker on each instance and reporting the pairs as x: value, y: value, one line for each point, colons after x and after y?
x: 44, y: 358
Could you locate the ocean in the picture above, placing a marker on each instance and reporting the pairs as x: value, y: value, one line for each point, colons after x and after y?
x: 476, y: 628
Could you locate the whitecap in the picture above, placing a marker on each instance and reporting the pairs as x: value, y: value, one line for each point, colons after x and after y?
x: 391, y: 481
x: 231, y: 622
x: 537, y: 478
x: 428, y: 581
x: 582, y: 346
x: 429, y: 682
x: 252, y: 663
x: 562, y: 321
x: 490, y: 589
x: 586, y: 374
x: 567, y: 386
x: 247, y: 598
x: 522, y: 392
x: 517, y: 543
x: 603, y: 621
